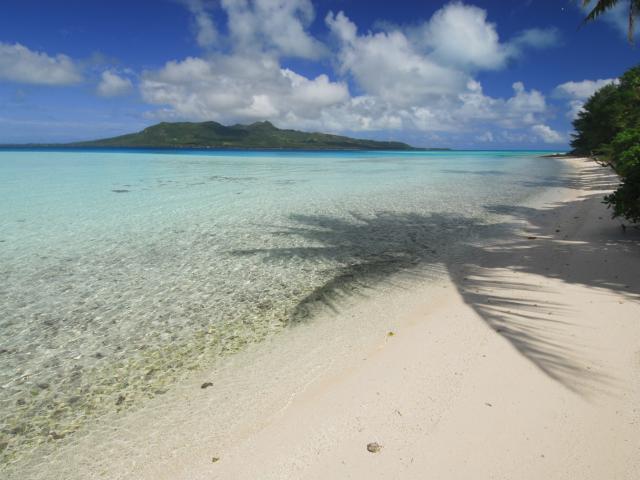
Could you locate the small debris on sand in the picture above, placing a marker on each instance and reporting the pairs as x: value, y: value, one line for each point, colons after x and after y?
x: 373, y: 447
x: 206, y: 385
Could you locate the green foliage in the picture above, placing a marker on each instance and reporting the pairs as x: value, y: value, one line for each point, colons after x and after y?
x: 624, y: 154
x: 624, y: 151
x: 259, y: 135
x: 609, y: 129
x: 609, y: 111
x: 625, y: 201
x: 629, y: 98
x: 597, y: 123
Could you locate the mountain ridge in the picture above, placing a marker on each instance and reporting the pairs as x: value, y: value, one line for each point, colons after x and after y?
x: 258, y: 135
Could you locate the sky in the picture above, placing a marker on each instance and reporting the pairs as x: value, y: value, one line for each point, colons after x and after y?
x: 487, y: 74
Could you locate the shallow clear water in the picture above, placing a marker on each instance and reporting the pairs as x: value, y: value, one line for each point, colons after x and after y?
x: 123, y: 271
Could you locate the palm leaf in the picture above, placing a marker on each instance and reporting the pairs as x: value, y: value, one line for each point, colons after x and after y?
x: 634, y: 10
x: 603, y: 5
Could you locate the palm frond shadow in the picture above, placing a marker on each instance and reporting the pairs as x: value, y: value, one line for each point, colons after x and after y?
x: 390, y: 248
x: 387, y: 248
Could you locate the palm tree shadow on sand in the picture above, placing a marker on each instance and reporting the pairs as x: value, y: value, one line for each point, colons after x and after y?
x: 391, y: 248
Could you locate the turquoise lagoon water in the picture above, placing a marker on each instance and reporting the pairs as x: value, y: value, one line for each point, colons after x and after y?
x: 123, y: 271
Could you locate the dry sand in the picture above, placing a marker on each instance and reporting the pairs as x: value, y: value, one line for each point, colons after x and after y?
x: 527, y: 366
x: 521, y: 363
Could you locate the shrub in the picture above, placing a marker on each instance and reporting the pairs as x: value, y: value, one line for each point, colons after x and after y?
x: 608, y: 128
x: 624, y: 157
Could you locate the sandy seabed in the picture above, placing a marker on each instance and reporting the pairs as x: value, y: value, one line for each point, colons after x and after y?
x: 521, y: 362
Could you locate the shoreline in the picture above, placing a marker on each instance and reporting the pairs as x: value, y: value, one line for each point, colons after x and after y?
x: 501, y: 368
x: 545, y: 385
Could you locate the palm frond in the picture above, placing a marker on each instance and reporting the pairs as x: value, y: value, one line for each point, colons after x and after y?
x: 634, y: 10
x: 601, y: 7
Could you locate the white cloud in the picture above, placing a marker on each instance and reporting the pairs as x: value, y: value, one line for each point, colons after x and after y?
x: 524, y: 108
x: 111, y: 85
x: 460, y: 35
x: 427, y: 84
x: 536, y: 38
x: 584, y: 89
x: 428, y: 69
x: 486, y: 137
x: 387, y: 65
x: 206, y: 33
x: 19, y: 64
x: 418, y: 79
x: 547, y: 134
x: 577, y: 93
x: 278, y: 26
x: 236, y: 88
x: 526, y: 103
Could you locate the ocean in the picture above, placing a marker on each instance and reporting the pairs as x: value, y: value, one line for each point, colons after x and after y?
x: 123, y: 272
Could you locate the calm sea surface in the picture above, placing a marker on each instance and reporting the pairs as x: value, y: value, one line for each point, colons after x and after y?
x: 121, y: 272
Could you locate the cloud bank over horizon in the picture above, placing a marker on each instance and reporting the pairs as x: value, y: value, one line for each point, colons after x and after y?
x: 424, y: 79
x: 417, y: 78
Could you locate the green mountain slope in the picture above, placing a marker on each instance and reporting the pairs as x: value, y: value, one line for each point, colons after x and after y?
x: 257, y: 135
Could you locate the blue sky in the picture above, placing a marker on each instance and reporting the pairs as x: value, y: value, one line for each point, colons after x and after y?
x: 483, y: 74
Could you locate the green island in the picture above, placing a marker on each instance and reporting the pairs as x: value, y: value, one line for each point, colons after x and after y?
x: 259, y: 135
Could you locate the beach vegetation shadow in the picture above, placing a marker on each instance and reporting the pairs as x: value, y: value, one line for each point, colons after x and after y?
x: 391, y: 248
x: 365, y: 252
x: 591, y: 177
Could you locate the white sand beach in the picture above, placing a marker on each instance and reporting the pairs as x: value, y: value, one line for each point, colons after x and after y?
x: 527, y: 366
x: 522, y: 362
x: 305, y: 240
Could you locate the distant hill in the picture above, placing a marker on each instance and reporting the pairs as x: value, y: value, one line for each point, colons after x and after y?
x: 259, y: 135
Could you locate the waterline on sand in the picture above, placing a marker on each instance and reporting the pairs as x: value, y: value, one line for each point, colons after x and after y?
x: 125, y: 272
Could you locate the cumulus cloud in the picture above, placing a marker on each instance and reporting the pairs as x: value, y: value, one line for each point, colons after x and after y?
x: 233, y: 88
x: 417, y: 79
x: 279, y: 26
x: 584, y: 89
x: 460, y: 34
x: 523, y: 108
x: 526, y: 104
x: 239, y: 89
x: 206, y: 33
x: 577, y: 93
x: 547, y: 134
x: 111, y: 85
x: 428, y: 84
x: 20, y: 64
x: 387, y: 65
